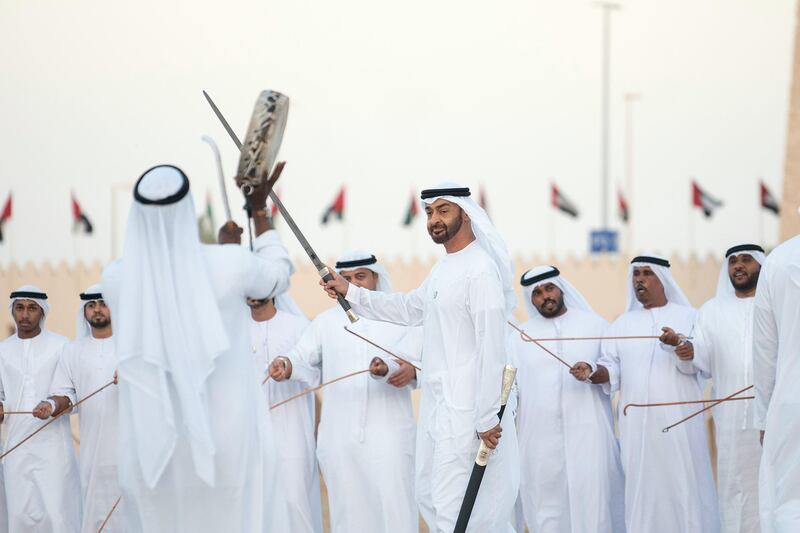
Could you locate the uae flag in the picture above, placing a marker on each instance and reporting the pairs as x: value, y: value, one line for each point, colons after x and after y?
x: 560, y: 202
x: 703, y: 200
x: 206, y: 224
x: 768, y: 201
x: 622, y: 205
x: 80, y: 222
x: 335, y: 209
x: 412, y: 211
x: 5, y: 215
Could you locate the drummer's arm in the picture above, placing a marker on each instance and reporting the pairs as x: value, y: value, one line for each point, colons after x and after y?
x: 257, y: 203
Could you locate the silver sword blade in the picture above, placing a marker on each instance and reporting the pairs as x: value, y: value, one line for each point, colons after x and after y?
x: 284, y: 213
x: 221, y: 175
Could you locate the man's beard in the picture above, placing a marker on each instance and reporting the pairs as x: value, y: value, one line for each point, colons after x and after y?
x: 555, y: 312
x: 747, y: 284
x: 100, y: 322
x: 448, y: 231
x: 252, y: 303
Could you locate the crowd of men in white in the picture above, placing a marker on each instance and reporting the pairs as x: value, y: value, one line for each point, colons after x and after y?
x: 205, y: 339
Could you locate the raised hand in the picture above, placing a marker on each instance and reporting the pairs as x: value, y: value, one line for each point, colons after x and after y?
x: 280, y: 369
x: 377, y: 367
x: 492, y: 437
x: 402, y: 376
x: 43, y: 410
x: 336, y: 285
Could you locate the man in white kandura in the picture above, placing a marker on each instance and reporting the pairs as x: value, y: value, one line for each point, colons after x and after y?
x: 463, y: 306
x: 776, y: 374
x: 41, y: 476
x: 366, y: 432
x: 86, y: 364
x: 198, y: 444
x: 276, y: 326
x: 668, y: 482
x: 723, y: 349
x: 571, y: 480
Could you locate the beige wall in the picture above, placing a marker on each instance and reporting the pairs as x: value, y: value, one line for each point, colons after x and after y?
x: 601, y: 279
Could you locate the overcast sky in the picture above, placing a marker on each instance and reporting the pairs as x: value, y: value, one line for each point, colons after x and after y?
x: 387, y: 98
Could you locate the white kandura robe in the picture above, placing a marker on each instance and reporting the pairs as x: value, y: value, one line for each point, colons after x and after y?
x: 571, y: 477
x: 776, y: 373
x: 365, y: 442
x: 668, y: 481
x: 41, y: 476
x: 461, y: 307
x: 241, y: 428
x: 293, y: 424
x: 87, y: 364
x: 723, y: 348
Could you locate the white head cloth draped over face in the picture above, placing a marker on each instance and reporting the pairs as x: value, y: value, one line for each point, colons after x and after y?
x: 660, y: 267
x: 168, y: 327
x: 33, y: 293
x: 724, y: 284
x: 362, y: 259
x: 92, y: 294
x: 543, y: 274
x: 485, y: 233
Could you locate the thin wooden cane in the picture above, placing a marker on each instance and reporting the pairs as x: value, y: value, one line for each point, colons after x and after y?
x: 625, y: 411
x: 265, y: 380
x: 23, y: 441
x: 528, y: 338
x: 378, y: 346
x: 625, y: 337
x: 717, y: 402
x: 108, y: 516
x: 318, y: 387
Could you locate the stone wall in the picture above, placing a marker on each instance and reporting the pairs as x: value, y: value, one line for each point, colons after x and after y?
x: 602, y: 280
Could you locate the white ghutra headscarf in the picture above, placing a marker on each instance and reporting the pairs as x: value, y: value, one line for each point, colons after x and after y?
x: 724, y: 284
x: 33, y: 293
x: 92, y: 294
x: 356, y: 259
x: 660, y: 267
x: 540, y: 275
x: 485, y: 233
x: 168, y: 327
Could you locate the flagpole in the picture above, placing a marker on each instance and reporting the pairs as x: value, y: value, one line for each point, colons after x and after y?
x: 691, y: 239
x: 760, y: 215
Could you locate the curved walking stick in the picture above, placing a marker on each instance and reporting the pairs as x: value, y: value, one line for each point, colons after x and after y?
x: 527, y: 338
x: 717, y: 402
x: 625, y: 411
x: 53, y: 419
x: 318, y: 387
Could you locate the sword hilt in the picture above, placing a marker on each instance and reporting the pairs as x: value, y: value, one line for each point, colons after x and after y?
x: 326, y: 275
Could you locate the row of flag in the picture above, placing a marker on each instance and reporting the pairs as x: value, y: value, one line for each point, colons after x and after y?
x: 80, y: 222
x: 700, y: 198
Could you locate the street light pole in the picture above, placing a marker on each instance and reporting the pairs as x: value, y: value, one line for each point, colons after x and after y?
x: 607, y: 8
x: 630, y: 98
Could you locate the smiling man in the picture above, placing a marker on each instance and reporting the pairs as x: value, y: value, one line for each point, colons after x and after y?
x: 566, y: 421
x: 723, y: 348
x: 85, y: 365
x: 462, y: 307
x: 668, y: 481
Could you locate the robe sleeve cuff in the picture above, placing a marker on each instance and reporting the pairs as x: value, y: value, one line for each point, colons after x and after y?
x: 353, y: 294
x: 265, y: 240
x: 486, y: 425
x: 393, y: 367
x: 686, y: 367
